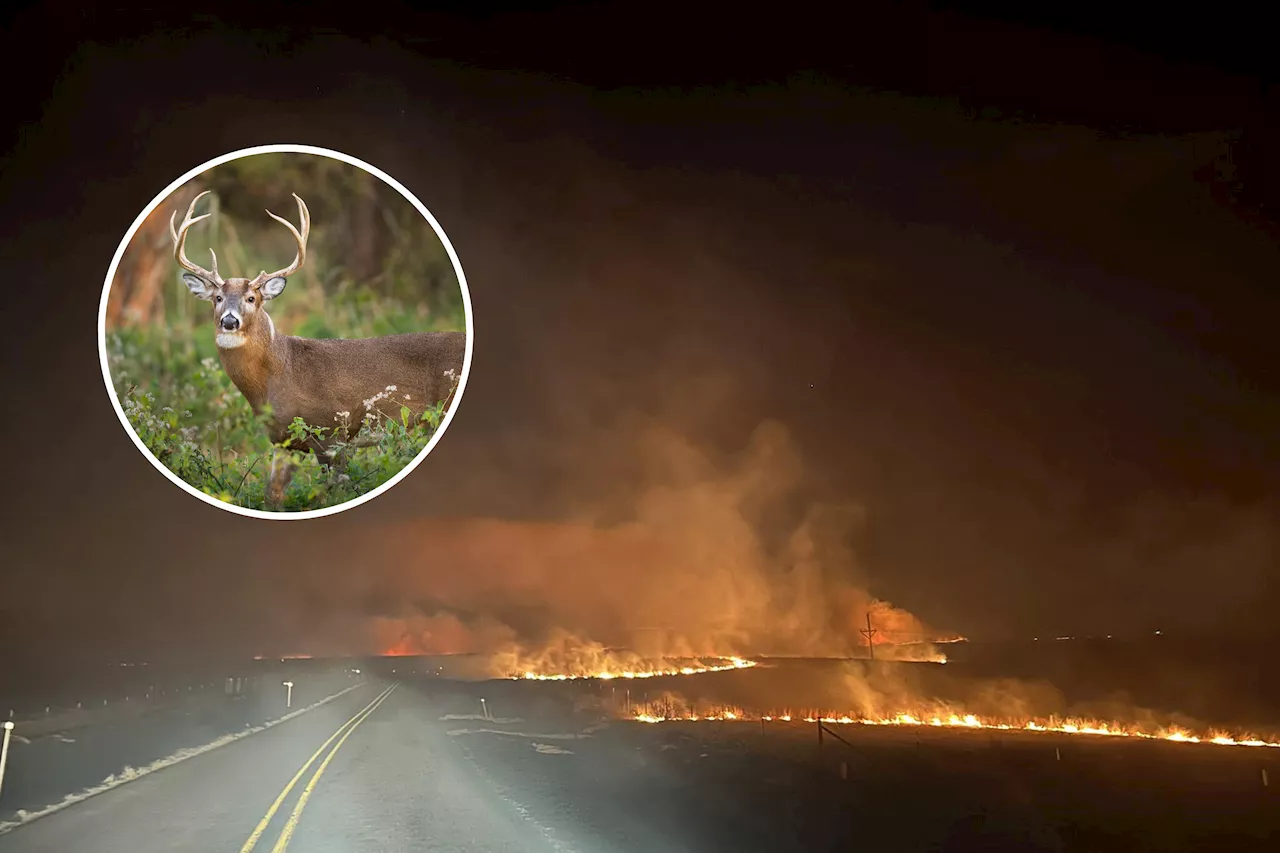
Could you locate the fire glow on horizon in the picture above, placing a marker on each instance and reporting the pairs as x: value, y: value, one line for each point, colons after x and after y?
x: 1068, y: 726
x: 723, y: 665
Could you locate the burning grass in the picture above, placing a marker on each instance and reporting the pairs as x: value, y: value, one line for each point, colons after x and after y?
x: 643, y: 669
x: 670, y: 709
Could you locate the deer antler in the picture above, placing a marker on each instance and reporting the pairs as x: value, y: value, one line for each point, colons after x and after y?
x: 179, y: 236
x: 301, y: 239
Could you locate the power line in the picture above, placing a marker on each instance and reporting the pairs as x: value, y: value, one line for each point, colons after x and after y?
x: 869, y: 632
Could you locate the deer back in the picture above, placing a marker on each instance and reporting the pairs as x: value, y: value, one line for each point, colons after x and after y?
x: 318, y: 379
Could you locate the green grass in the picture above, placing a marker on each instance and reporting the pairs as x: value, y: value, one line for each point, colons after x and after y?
x: 187, y: 412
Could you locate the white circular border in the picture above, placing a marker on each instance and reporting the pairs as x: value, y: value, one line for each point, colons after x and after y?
x: 156, y: 202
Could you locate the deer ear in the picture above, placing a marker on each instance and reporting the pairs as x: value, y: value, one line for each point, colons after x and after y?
x: 199, y: 288
x: 273, y: 287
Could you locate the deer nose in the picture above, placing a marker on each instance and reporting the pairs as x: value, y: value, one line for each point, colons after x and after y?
x: 230, y: 322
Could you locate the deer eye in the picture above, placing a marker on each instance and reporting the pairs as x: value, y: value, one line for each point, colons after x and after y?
x: 250, y: 298
x: 219, y: 299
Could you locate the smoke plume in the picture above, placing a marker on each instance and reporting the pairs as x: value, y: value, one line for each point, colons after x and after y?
x: 699, y: 566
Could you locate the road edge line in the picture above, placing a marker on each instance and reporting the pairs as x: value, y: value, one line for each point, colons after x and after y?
x: 112, y: 782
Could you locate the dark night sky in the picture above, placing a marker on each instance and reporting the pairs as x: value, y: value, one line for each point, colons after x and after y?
x: 1030, y: 277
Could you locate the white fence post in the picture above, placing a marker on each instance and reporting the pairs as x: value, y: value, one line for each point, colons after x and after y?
x: 4, y: 750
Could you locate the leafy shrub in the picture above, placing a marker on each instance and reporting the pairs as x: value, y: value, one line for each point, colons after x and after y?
x: 189, y: 414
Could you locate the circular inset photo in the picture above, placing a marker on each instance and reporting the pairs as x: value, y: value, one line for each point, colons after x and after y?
x: 285, y: 332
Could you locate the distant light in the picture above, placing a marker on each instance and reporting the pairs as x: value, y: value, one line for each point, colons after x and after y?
x: 1157, y: 632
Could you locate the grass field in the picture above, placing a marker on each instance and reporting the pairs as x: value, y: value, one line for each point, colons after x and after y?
x: 188, y: 413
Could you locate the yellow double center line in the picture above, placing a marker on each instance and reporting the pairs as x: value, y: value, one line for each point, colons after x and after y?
x: 344, y: 731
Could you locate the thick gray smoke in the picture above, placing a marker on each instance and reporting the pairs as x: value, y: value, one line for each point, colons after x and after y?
x: 690, y: 571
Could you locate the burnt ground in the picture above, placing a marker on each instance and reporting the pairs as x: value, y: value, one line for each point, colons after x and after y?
x: 427, y: 770
x: 551, y: 756
x: 737, y: 785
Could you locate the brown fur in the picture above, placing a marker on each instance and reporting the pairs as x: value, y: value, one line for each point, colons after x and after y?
x: 325, y: 382
x: 316, y: 379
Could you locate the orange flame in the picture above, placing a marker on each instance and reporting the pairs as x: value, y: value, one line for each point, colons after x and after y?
x: 1069, y: 726
x: 647, y: 671
x: 405, y: 647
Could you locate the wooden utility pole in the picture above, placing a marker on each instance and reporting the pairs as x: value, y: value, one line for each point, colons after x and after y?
x: 869, y: 632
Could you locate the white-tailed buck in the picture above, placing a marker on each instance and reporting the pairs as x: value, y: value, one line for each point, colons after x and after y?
x: 318, y: 380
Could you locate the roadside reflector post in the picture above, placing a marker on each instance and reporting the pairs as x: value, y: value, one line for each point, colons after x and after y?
x: 484, y: 710
x: 1265, y: 781
x: 1057, y: 754
x: 4, y: 750
x: 844, y: 770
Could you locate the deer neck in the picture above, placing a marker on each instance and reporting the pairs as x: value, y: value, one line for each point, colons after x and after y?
x: 251, y: 364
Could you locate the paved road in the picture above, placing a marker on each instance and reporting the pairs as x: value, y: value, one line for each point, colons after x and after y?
x: 426, y: 765
x: 381, y: 773
x: 47, y: 763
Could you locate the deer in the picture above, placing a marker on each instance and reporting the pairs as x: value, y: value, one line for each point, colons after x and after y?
x: 321, y: 381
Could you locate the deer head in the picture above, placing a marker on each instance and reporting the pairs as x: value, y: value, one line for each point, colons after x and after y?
x: 239, y: 311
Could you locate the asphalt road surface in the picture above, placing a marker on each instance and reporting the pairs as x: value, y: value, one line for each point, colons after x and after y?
x: 371, y: 770
x: 51, y: 758
x: 434, y: 765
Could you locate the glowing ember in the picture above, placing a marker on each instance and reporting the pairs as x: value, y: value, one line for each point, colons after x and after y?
x: 721, y: 665
x: 966, y: 721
